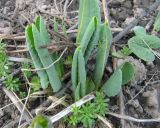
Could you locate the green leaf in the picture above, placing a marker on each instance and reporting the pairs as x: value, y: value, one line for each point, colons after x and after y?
x: 87, y: 10
x: 147, y: 41
x: 55, y: 25
x: 157, y: 23
x: 102, y: 53
x: 90, y: 86
x: 140, y: 50
x: 152, y: 41
x: 139, y: 31
x: 113, y: 85
x: 59, y: 65
x: 127, y: 72
x: 122, y: 53
x: 43, y: 32
x: 74, y: 71
x: 64, y: 27
x: 82, y: 73
x: 37, y: 63
x: 35, y: 83
x: 88, y: 34
x: 77, y: 95
x: 45, y: 58
x: 92, y: 43
x: 40, y: 122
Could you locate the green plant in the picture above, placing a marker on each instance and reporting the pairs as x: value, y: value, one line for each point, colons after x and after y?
x: 143, y: 44
x: 37, y: 36
x: 40, y: 122
x: 157, y: 23
x: 93, y: 34
x: 87, y: 113
x: 122, y: 53
x: 12, y: 83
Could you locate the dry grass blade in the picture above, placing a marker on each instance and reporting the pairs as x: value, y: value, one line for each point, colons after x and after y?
x: 129, y: 118
x: 56, y: 102
x: 69, y: 108
x: 106, y: 122
x: 27, y: 115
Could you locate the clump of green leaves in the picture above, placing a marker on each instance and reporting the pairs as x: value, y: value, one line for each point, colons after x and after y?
x: 124, y: 52
x: 93, y: 34
x: 40, y: 122
x: 37, y: 36
x: 143, y: 44
x: 12, y: 83
x: 87, y: 113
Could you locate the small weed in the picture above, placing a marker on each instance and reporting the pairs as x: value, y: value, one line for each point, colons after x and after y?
x: 12, y: 83
x: 87, y: 113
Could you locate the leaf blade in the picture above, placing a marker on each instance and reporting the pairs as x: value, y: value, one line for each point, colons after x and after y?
x: 113, y: 85
x: 102, y: 53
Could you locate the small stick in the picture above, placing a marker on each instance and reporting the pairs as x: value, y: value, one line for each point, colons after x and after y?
x: 129, y: 118
x: 19, y: 105
x: 106, y: 122
x: 105, y: 10
x: 69, y: 109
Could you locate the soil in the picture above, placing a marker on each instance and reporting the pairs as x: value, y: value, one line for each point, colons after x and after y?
x: 16, y: 14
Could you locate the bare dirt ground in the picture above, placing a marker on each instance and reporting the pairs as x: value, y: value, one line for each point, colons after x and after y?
x: 141, y: 98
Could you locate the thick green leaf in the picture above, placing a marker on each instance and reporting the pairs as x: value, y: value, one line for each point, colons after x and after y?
x: 87, y: 10
x: 152, y: 41
x: 74, y: 71
x: 43, y: 32
x: 88, y: 34
x: 140, y: 51
x: 139, y: 30
x: 127, y: 72
x: 92, y: 43
x: 55, y: 25
x: 82, y: 73
x: 34, y: 55
x: 147, y: 41
x: 90, y: 86
x: 77, y: 92
x: 102, y: 53
x: 45, y: 59
x: 59, y: 65
x: 157, y: 23
x: 113, y: 85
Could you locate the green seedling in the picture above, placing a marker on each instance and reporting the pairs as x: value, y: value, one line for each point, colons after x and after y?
x: 143, y: 44
x: 87, y: 113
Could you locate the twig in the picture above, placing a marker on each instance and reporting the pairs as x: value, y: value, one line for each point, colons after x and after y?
x: 105, y: 10
x: 16, y: 59
x: 19, y: 105
x: 17, y: 51
x: 69, y: 109
x: 129, y: 118
x: 106, y: 122
x: 24, y: 107
x: 65, y: 7
x: 152, y: 8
